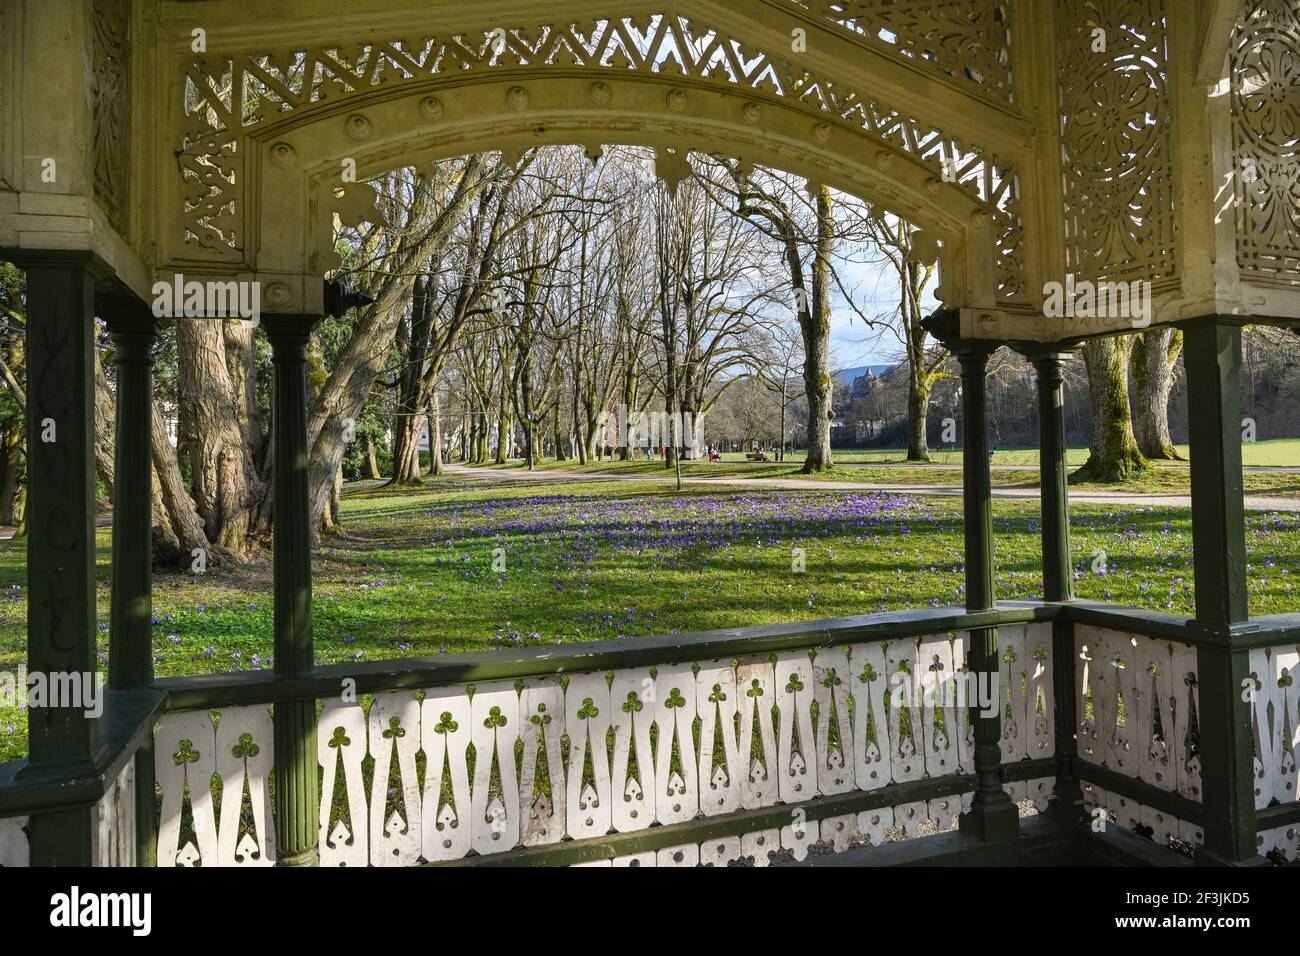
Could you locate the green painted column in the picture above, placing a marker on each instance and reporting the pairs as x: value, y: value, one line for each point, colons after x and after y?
x: 992, y: 816
x: 1058, y: 577
x: 63, y: 741
x: 130, y: 659
x: 297, y: 787
x: 1212, y: 358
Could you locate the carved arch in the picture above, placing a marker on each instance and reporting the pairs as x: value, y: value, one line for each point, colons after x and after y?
x: 298, y: 164
x: 235, y: 104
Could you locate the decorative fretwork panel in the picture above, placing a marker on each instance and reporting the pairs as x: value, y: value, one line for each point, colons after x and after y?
x: 1280, y: 842
x: 115, y: 817
x: 196, y: 763
x: 14, y: 848
x: 229, y: 98
x: 1037, y: 791
x: 1275, y: 716
x: 1264, y: 68
x: 966, y: 39
x: 483, y: 769
x: 1117, y: 151
x: 1128, y: 814
x: 836, y: 834
x: 341, y: 750
x: 110, y: 92
x: 1138, y: 704
x: 1025, y: 689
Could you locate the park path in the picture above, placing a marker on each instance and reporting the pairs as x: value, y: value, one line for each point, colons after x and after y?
x: 1252, y: 502
x: 956, y: 466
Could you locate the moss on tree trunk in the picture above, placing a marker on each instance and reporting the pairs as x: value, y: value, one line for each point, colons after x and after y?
x: 1113, y: 454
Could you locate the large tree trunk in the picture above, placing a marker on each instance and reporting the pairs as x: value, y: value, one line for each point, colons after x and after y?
x: 920, y: 381
x: 816, y: 326
x: 481, y: 436
x: 406, y: 449
x: 225, y: 486
x: 629, y: 399
x: 1154, y: 356
x: 331, y: 521
x: 13, y: 454
x: 1113, y: 454
x: 435, y: 434
x: 105, y: 422
x: 177, y: 528
x: 555, y: 430
x: 505, y: 433
x: 241, y: 355
x: 918, y: 413
x: 20, y: 512
x: 372, y: 460
x: 579, y: 440
x: 413, y: 347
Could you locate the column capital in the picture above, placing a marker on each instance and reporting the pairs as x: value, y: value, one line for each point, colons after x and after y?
x: 95, y: 266
x: 288, y: 327
x: 974, y: 348
x: 133, y: 344
x: 127, y: 316
x: 1050, y: 360
x: 129, y: 323
x: 974, y: 361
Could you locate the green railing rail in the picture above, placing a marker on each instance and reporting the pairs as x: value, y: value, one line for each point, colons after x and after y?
x: 252, y: 687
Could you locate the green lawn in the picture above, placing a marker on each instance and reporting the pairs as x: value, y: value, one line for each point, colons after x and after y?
x: 591, y: 561
x: 1274, y: 452
x: 888, y: 468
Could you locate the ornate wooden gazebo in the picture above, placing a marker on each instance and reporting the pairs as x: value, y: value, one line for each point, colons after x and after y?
x: 1034, y: 142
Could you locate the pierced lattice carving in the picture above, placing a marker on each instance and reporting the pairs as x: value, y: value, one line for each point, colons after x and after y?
x: 1283, y: 842
x: 189, y: 756
x: 1116, y: 145
x: 341, y: 751
x: 1025, y: 686
x: 1128, y: 814
x: 541, y: 773
x: 1264, y: 67
x: 966, y: 39
x: 227, y: 98
x: 645, y: 745
x: 1137, y: 704
x: 1276, y: 723
x: 110, y: 91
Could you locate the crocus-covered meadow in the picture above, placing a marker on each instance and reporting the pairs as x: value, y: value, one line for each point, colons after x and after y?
x: 462, y: 565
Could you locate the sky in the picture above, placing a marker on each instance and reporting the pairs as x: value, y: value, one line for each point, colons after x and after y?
x: 852, y: 343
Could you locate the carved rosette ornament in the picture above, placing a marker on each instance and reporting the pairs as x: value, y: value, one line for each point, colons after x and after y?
x: 1119, y: 195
